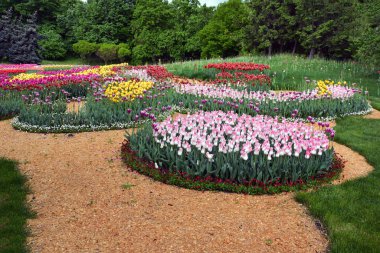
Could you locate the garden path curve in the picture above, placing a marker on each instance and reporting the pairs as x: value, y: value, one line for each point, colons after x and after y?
x: 81, y: 205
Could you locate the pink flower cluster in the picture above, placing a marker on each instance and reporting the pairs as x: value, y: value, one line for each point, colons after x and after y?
x: 18, y: 68
x: 217, y: 131
x: 46, y: 82
x: 338, y: 92
x: 25, y: 67
x: 158, y: 72
x: 65, y: 71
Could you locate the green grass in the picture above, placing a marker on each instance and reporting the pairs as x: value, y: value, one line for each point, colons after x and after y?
x: 351, y: 211
x: 69, y: 61
x: 13, y: 208
x: 289, y: 72
x: 375, y: 102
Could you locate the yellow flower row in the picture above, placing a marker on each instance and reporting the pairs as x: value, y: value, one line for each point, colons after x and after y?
x: 24, y: 76
x: 59, y: 66
x: 129, y: 90
x: 107, y: 70
x: 331, y: 82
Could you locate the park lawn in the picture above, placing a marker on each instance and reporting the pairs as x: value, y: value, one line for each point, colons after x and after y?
x: 375, y: 102
x: 68, y: 61
x: 288, y: 72
x: 14, y: 210
x: 351, y: 211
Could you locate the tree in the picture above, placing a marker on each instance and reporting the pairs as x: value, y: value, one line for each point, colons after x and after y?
x: 24, y: 47
x: 151, y: 25
x: 46, y: 9
x: 223, y: 35
x: 324, y: 24
x: 6, y: 29
x: 104, y: 21
x: 68, y: 18
x: 366, y: 37
x: 271, y: 23
x: 52, y: 45
x: 195, y: 23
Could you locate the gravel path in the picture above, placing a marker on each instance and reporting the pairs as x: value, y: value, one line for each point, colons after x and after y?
x: 81, y: 205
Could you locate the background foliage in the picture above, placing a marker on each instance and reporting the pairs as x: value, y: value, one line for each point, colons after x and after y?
x: 161, y: 30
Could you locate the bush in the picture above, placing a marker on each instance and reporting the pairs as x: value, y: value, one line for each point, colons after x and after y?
x: 85, y: 49
x: 123, y: 52
x: 52, y: 46
x: 108, y: 52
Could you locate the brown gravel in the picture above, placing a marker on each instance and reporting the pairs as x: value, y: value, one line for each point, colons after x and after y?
x: 81, y: 205
x: 75, y: 106
x: 375, y: 114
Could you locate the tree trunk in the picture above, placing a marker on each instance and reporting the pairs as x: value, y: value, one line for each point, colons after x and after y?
x: 294, y: 47
x: 311, y: 54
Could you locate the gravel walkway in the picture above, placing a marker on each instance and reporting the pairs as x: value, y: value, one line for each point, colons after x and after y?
x: 81, y: 205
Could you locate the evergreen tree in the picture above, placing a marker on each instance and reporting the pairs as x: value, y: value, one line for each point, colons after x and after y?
x: 365, y: 39
x: 324, y: 25
x: 24, y: 48
x: 6, y: 30
x: 271, y: 23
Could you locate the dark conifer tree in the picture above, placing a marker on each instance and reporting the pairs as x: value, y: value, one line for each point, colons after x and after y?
x: 6, y: 24
x: 24, y: 48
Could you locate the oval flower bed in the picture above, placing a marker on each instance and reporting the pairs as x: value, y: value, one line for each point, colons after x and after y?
x: 340, y: 101
x: 218, y: 150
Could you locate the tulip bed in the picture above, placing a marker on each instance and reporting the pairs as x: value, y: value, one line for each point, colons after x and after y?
x: 239, y: 148
x: 225, y: 151
x: 119, y: 96
x: 225, y: 142
x: 248, y: 76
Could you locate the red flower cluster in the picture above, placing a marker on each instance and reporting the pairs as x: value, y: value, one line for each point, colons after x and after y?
x: 159, y: 73
x: 252, y: 77
x: 11, y: 71
x: 243, y: 77
x: 242, y: 66
x: 240, y: 73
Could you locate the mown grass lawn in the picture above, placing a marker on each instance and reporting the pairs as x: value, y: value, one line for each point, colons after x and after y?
x: 351, y: 211
x: 289, y: 72
x: 13, y: 208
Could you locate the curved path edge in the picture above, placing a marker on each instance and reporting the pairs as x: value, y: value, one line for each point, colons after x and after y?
x: 82, y: 207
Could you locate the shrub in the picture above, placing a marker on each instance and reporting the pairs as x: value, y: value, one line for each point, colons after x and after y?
x: 85, y: 49
x: 123, y: 52
x: 107, y: 52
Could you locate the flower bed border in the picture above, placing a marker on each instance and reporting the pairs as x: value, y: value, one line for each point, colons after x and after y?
x: 118, y: 126
x: 92, y: 128
x: 148, y: 168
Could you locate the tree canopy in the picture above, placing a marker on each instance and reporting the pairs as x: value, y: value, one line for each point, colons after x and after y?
x: 162, y: 30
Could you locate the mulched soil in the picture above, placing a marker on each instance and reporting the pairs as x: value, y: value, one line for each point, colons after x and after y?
x: 81, y: 206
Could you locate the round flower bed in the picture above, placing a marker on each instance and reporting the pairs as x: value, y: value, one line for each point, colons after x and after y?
x: 340, y: 101
x: 224, y: 147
